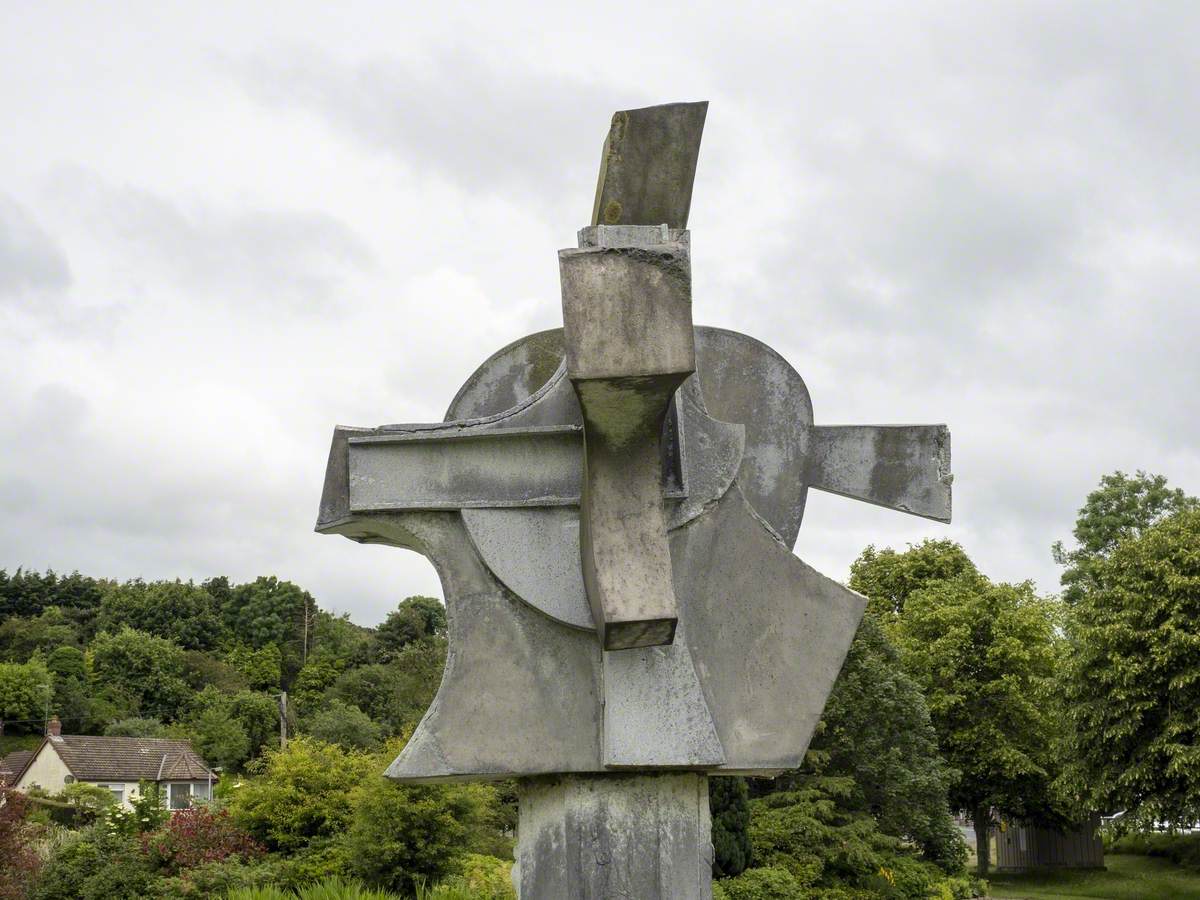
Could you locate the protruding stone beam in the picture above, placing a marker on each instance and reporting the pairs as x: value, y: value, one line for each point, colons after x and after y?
x: 627, y: 314
x: 901, y: 467
x: 649, y: 164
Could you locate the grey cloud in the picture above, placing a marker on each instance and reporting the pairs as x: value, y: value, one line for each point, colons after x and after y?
x: 30, y: 260
x: 486, y: 127
x: 258, y: 255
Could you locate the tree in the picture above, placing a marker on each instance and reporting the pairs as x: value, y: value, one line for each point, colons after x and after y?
x: 179, y: 611
x: 348, y: 726
x: 146, y: 668
x: 395, y: 695
x: 269, y: 611
x: 21, y: 637
x: 876, y: 730
x: 729, y: 804
x: 220, y: 739
x: 984, y: 654
x: 1133, y: 681
x: 137, y: 727
x: 888, y: 578
x: 416, y: 618
x: 262, y: 668
x: 26, y: 690
x: 1122, y: 507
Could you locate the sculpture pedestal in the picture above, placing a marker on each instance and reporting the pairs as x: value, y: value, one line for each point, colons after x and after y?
x: 595, y: 837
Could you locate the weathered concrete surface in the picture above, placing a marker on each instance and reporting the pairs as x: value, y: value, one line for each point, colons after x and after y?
x: 655, y: 714
x: 648, y: 165
x: 627, y: 318
x: 902, y: 467
x: 634, y: 837
x: 520, y: 694
x: 767, y: 633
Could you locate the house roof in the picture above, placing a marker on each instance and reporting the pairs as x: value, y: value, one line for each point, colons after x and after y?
x: 103, y: 758
x: 14, y: 764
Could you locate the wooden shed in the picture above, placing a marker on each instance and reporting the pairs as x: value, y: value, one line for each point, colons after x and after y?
x: 1020, y: 847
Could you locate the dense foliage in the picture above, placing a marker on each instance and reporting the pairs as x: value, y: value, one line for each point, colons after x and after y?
x: 1132, y: 683
x: 983, y: 656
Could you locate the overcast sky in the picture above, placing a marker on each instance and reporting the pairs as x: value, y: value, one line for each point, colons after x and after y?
x: 226, y: 227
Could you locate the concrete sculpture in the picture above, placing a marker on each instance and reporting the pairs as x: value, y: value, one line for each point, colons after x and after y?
x: 611, y: 508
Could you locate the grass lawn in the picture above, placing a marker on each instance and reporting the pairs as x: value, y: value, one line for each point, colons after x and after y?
x: 1127, y: 878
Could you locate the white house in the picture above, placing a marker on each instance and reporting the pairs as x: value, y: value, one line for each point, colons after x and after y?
x: 118, y: 764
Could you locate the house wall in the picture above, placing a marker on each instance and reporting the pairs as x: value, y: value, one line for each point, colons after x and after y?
x: 47, y: 771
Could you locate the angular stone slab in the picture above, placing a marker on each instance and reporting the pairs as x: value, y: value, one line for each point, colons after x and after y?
x: 649, y: 164
x: 463, y: 469
x: 617, y: 836
x: 901, y: 467
x: 627, y: 314
x: 743, y: 591
x: 655, y: 715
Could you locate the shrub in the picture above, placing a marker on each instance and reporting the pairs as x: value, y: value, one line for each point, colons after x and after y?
x: 769, y: 883
x: 97, y: 863
x: 480, y: 878
x: 403, y: 835
x: 1181, y: 849
x: 299, y: 794
x: 196, y: 836
x: 19, y: 861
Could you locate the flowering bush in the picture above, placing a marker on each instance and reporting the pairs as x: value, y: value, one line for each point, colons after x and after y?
x: 195, y: 836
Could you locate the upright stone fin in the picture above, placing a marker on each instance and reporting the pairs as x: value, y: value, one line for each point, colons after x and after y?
x: 649, y: 164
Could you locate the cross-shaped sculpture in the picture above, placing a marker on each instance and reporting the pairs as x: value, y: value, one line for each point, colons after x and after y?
x: 610, y: 508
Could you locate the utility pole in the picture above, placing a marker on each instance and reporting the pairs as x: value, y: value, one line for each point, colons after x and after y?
x: 283, y: 720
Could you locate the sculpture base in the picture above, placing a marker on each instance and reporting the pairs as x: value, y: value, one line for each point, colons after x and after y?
x: 594, y: 837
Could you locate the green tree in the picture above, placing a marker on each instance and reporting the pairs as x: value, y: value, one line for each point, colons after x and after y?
x: 888, y: 578
x: 137, y: 727
x: 348, y: 726
x: 181, y: 612
x: 984, y: 655
x: 21, y: 637
x: 262, y: 668
x: 269, y: 611
x: 876, y: 730
x: 220, y: 739
x: 729, y: 804
x: 146, y: 668
x: 415, y: 619
x: 1122, y: 507
x: 26, y: 690
x: 397, y: 694
x: 1133, y: 679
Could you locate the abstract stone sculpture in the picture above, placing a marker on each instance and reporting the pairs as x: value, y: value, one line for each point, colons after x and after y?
x: 611, y: 509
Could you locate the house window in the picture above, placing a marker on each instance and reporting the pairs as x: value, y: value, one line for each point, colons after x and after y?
x: 200, y: 790
x: 181, y: 796
x: 118, y: 791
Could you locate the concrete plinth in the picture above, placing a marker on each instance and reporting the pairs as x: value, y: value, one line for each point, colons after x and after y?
x: 603, y: 837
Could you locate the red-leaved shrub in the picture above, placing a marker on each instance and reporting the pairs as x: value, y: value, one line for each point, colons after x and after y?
x: 19, y: 861
x: 195, y: 836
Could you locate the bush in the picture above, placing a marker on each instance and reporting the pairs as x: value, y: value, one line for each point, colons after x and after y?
x: 196, y: 836
x: 762, y: 884
x: 300, y: 794
x: 405, y: 835
x: 97, y: 863
x: 1181, y: 849
x: 329, y: 889
x: 19, y: 861
x: 480, y: 878
x: 215, y: 880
